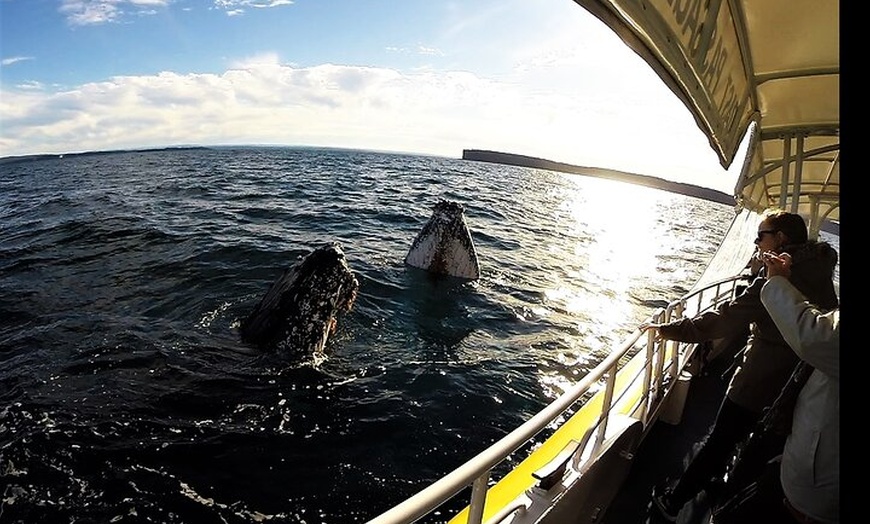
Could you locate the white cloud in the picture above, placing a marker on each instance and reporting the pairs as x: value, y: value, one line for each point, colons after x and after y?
x: 14, y: 60
x: 261, y: 59
x: 261, y: 101
x: 430, y: 51
x: 85, y: 12
x: 92, y: 12
x: 237, y: 7
x: 31, y: 86
x: 419, y: 49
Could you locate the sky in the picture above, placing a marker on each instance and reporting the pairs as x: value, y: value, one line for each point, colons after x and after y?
x: 542, y: 78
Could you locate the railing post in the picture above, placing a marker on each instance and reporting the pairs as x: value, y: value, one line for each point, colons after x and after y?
x: 659, y: 362
x: 675, y: 353
x: 648, y: 376
x: 609, y: 386
x: 478, y: 499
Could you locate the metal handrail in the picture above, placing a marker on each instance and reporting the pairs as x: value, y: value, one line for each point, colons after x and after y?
x: 476, y: 472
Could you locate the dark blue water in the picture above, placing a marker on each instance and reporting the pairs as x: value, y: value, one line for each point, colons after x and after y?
x: 127, y: 396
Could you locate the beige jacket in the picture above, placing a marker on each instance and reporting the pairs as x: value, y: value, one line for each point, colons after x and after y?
x: 810, y: 471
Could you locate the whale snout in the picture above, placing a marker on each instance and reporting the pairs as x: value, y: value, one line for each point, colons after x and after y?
x: 298, y: 312
x: 332, y: 276
x: 444, y: 245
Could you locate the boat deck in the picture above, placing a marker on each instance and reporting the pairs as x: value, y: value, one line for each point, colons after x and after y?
x: 666, y: 450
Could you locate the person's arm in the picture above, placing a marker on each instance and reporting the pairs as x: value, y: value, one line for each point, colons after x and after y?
x: 812, y: 334
x: 729, y: 318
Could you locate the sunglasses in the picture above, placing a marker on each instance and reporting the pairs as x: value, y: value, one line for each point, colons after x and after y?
x: 762, y: 232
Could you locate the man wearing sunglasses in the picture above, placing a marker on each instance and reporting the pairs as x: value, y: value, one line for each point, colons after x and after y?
x: 767, y: 361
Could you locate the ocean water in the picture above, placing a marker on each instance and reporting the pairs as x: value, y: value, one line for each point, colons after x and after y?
x: 126, y: 394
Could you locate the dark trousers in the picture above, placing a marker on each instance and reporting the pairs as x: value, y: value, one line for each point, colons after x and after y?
x: 733, y: 424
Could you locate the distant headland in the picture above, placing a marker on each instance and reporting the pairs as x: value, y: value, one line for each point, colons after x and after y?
x: 27, y: 158
x: 482, y: 155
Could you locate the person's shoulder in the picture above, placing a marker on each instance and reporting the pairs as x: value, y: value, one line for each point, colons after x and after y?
x: 813, y: 253
x: 753, y: 290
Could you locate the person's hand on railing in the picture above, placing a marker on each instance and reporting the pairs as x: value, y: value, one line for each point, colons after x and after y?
x: 646, y: 326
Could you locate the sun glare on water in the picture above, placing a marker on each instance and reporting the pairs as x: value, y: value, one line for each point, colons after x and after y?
x: 618, y: 252
x: 605, y: 245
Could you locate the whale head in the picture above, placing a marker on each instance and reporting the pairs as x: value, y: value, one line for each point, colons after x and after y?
x: 444, y: 245
x: 298, y: 313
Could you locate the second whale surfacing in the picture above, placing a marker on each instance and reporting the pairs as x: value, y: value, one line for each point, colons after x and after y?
x: 298, y: 312
x: 444, y: 245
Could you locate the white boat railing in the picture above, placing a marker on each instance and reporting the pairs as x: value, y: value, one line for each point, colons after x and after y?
x: 659, y: 377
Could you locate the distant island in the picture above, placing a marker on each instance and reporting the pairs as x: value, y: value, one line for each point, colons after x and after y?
x: 510, y: 159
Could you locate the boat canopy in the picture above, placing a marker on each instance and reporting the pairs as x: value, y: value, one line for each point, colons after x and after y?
x: 770, y: 68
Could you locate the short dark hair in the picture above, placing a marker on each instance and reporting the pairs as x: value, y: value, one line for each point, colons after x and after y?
x: 792, y: 225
